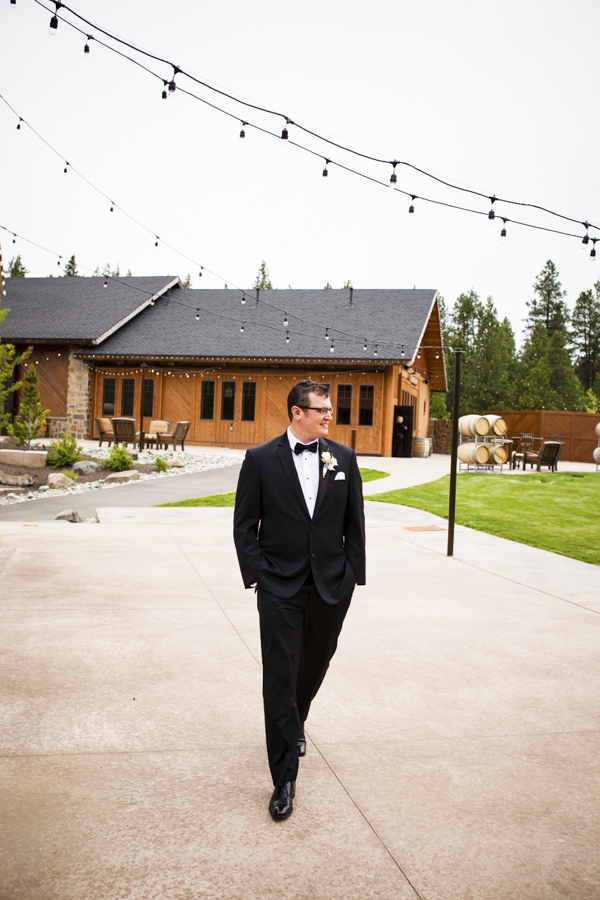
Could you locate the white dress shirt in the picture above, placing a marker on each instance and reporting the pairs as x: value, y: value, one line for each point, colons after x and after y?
x: 307, y: 467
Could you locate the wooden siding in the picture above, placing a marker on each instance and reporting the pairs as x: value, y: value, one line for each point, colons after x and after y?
x: 52, y: 364
x: 576, y: 429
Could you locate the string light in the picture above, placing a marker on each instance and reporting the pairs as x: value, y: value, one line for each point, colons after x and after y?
x: 586, y: 238
x: 593, y: 250
x: 327, y: 334
x: 243, y: 299
x: 287, y: 337
x: 284, y: 135
x: 65, y: 168
x: 164, y: 94
x: 332, y: 348
x: 393, y: 178
x: 492, y: 214
x: 112, y: 206
x: 53, y: 27
x: 242, y: 328
x: 156, y: 241
x: 375, y: 352
x: 285, y: 320
x: 325, y: 172
x: 197, y: 314
x: 19, y: 123
x: 242, y: 132
x: 172, y: 85
x: 105, y: 281
x: 503, y: 232
x: 86, y: 49
x: 365, y: 344
x: 411, y: 208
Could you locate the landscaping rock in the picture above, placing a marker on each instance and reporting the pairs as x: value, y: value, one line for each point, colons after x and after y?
x: 16, y: 480
x: 91, y: 520
x: 86, y: 467
x: 69, y: 515
x: 122, y: 477
x: 8, y: 442
x: 35, y: 459
x: 175, y: 463
x: 57, y: 480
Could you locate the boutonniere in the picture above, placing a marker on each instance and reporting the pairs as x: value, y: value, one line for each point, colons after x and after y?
x: 329, y: 462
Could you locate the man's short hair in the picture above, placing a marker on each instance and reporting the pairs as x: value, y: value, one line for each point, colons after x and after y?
x: 298, y: 396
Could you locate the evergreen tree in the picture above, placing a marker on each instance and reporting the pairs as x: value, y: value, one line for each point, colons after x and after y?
x: 32, y: 417
x: 8, y: 363
x: 536, y: 391
x: 187, y: 282
x: 70, y: 269
x: 16, y: 269
x: 548, y: 305
x: 347, y: 285
x: 263, y: 279
x: 328, y: 287
x: 585, y: 336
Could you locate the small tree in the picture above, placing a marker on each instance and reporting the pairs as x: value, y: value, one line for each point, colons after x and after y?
x: 32, y: 417
x: 8, y: 363
x: 263, y: 279
x: 187, y: 282
x: 16, y: 269
x: 70, y: 269
x: 347, y: 285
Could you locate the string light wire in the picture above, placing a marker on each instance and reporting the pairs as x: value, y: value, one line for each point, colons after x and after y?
x: 299, y: 126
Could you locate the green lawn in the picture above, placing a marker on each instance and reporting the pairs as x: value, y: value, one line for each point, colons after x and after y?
x: 557, y: 512
x: 229, y: 499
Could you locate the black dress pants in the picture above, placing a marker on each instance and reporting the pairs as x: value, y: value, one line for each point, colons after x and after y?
x: 298, y: 639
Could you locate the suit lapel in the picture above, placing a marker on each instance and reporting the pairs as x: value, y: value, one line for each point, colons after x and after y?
x: 285, y: 455
x: 323, y: 476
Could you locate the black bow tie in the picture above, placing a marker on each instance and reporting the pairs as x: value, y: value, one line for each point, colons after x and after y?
x: 312, y: 448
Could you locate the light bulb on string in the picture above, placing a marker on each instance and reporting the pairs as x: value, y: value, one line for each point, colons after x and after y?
x: 242, y: 132
x: 365, y: 344
x: 200, y: 272
x: 172, y: 85
x: 394, y: 177
x: 375, y: 351
x: 19, y: 123
x: 242, y: 327
x: 411, y: 208
x: 164, y: 94
x: 197, y: 314
x: 586, y: 238
x: 284, y: 133
x: 13, y: 2
x: 243, y: 299
x: 65, y: 168
x: 112, y: 206
x: 492, y: 214
x: 285, y: 320
x: 437, y: 354
x: 325, y: 172
x: 58, y: 260
x: 327, y: 334
x: 156, y: 241
x: 593, y: 250
x: 503, y: 232
x: 287, y: 337
x: 52, y: 28
x: 86, y: 49
x: 105, y: 281
x: 332, y: 348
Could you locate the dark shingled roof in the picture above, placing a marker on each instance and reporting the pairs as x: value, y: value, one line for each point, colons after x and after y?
x: 75, y: 310
x: 392, y: 319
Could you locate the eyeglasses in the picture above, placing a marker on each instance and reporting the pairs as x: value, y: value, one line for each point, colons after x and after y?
x: 322, y: 410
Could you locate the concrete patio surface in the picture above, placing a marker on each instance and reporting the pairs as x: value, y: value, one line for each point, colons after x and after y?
x: 453, y: 753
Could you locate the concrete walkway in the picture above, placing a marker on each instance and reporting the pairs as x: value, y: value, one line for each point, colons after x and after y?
x: 453, y: 753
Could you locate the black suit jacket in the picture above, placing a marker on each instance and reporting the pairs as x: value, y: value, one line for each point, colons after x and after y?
x: 277, y: 541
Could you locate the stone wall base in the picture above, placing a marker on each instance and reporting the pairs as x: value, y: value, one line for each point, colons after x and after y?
x: 440, y: 431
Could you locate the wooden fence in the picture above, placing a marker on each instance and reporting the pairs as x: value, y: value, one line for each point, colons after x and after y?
x: 576, y: 429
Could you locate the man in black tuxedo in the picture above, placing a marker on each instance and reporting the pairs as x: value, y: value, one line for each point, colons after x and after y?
x: 299, y: 532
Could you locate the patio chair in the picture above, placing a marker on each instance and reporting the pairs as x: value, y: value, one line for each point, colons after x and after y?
x: 124, y: 430
x: 525, y: 454
x: 178, y: 436
x: 549, y: 454
x: 105, y: 430
x: 156, y: 429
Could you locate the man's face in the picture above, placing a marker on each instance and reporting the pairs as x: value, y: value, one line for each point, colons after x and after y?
x: 310, y: 424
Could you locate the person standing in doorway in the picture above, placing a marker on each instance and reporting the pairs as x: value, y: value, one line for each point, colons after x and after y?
x: 299, y: 532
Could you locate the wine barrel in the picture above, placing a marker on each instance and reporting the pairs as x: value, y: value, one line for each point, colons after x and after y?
x: 598, y: 430
x: 497, y: 425
x: 421, y: 446
x: 498, y: 454
x: 473, y: 425
x: 596, y: 455
x: 474, y: 453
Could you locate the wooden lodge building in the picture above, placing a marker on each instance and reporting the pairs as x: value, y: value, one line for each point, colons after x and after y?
x: 225, y: 360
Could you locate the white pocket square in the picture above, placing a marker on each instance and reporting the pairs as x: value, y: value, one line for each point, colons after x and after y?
x: 341, y: 476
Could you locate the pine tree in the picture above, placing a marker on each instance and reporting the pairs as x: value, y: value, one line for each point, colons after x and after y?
x: 8, y: 363
x: 585, y: 336
x: 16, y: 269
x: 187, y: 282
x: 70, y: 269
x: 263, y: 279
x: 548, y: 305
x: 347, y: 285
x: 536, y: 391
x: 32, y: 417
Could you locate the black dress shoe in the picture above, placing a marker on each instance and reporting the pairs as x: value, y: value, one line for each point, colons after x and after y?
x: 281, y: 806
x: 301, y: 747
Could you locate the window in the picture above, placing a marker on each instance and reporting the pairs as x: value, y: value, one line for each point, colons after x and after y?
x: 127, y: 395
x: 109, y: 386
x: 148, y: 402
x: 365, y: 405
x: 248, y: 401
x: 207, y: 404
x: 344, y: 404
x: 227, y: 400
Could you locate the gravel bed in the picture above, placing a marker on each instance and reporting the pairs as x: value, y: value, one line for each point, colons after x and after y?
x: 144, y: 463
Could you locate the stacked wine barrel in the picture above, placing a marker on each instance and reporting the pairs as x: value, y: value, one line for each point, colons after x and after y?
x: 482, y: 452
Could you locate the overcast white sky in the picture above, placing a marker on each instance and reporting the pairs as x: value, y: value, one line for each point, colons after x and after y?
x: 502, y: 98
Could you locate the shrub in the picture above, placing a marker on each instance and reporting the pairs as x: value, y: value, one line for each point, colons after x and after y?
x: 70, y: 473
x: 64, y: 452
x: 119, y: 460
x: 161, y: 464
